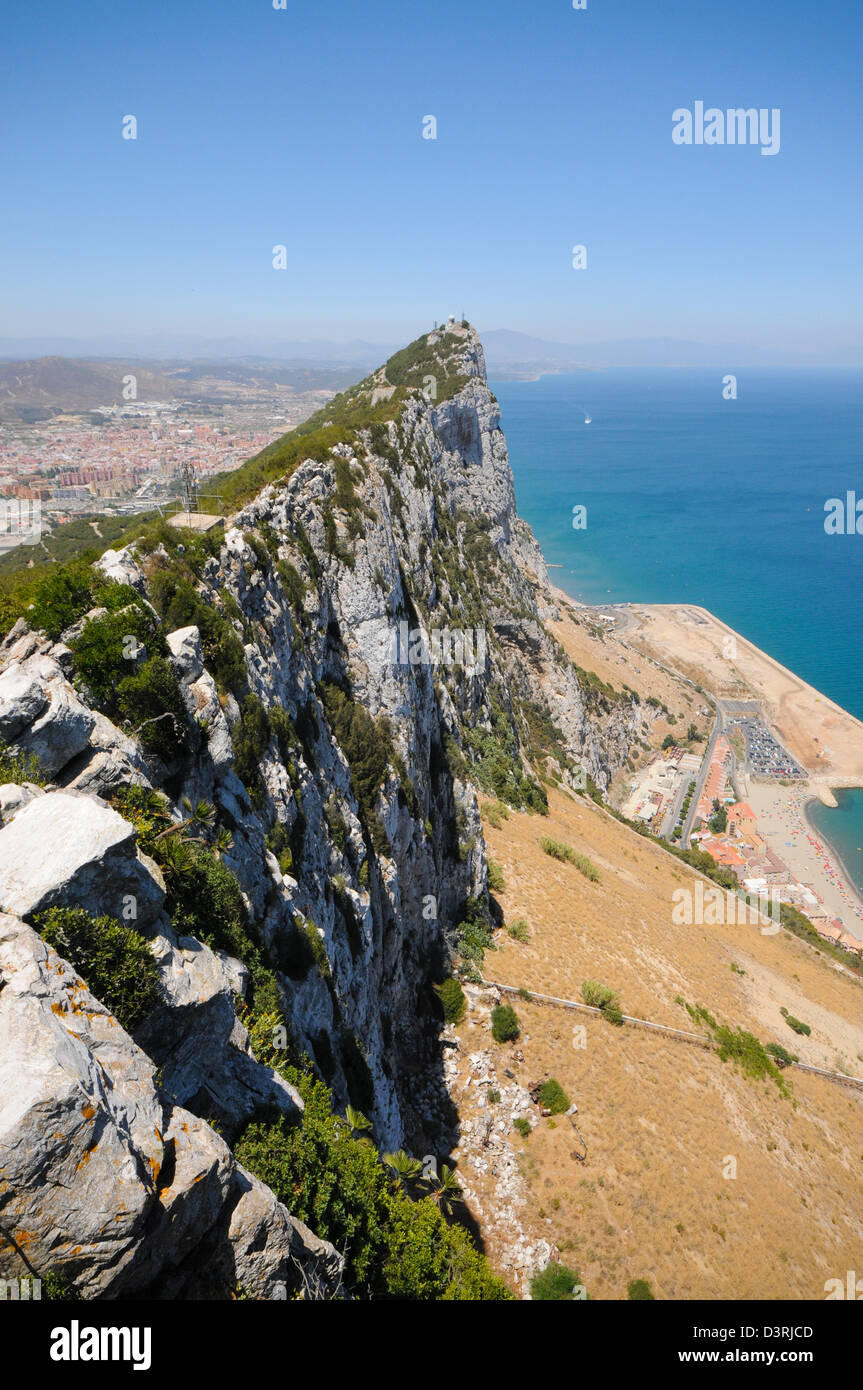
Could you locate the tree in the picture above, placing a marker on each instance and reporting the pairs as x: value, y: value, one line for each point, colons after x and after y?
x: 504, y: 1023
x: 719, y: 819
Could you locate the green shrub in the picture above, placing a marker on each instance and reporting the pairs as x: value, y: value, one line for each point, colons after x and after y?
x: 570, y: 856
x: 493, y: 1097
x: 104, y: 655
x: 553, y: 1097
x: 452, y: 998
x: 496, y: 812
x: 62, y: 597
x: 601, y: 997
x: 367, y: 746
x: 20, y: 767
x: 554, y: 1283
x: 522, y: 1125
x: 795, y: 1024
x: 782, y: 1056
x: 337, y: 1184
x: 179, y: 604
x: 151, y: 704
x: 115, y: 963
x: 495, y: 877
x: 519, y: 930
x: 250, y: 737
x: 504, y: 1023
x: 473, y: 935
x: 639, y: 1291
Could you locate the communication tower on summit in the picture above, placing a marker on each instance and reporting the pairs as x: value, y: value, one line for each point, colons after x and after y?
x: 190, y: 487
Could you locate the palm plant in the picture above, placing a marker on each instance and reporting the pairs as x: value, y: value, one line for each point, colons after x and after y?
x: 405, y: 1169
x: 445, y: 1189
x: 357, y: 1122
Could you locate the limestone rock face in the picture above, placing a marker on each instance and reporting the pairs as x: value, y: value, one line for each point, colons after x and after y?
x: 185, y: 648
x: 354, y: 834
x: 43, y: 713
x: 70, y: 850
x: 202, y: 1048
x: 22, y: 698
x: 102, y: 1177
x: 121, y: 566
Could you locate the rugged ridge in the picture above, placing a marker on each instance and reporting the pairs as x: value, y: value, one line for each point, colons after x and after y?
x: 346, y: 773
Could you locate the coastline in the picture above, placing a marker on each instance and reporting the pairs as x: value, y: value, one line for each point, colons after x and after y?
x: 856, y: 890
x: 688, y: 640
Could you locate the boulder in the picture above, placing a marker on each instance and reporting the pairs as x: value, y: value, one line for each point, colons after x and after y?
x: 14, y: 796
x: 187, y: 653
x: 67, y: 850
x: 121, y: 566
x: 106, y: 1183
x: 80, y: 1121
x: 22, y: 699
x: 201, y: 1046
x: 62, y: 729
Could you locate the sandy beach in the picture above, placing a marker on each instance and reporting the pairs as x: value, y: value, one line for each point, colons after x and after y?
x: 825, y: 739
x: 782, y: 820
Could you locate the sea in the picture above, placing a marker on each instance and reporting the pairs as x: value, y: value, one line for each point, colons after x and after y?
x: 697, y: 497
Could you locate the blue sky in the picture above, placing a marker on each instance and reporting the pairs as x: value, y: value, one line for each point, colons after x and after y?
x: 304, y: 127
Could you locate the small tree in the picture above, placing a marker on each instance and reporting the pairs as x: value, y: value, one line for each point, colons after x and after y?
x: 452, y: 998
x: 639, y: 1290
x: 504, y: 1023
x: 554, y: 1283
x: 553, y: 1097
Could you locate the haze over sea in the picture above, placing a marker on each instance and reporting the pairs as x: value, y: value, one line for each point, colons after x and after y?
x: 695, y: 499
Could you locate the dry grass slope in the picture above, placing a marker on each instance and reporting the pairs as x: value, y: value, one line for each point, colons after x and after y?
x: 661, y: 1119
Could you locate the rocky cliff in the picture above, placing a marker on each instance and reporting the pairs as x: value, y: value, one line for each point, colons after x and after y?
x: 311, y: 703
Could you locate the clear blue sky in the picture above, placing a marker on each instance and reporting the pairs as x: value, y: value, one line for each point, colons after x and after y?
x: 303, y: 127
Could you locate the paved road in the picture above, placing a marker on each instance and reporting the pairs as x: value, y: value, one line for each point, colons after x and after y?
x: 718, y: 728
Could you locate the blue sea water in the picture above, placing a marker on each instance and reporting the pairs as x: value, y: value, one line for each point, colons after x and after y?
x: 693, y: 498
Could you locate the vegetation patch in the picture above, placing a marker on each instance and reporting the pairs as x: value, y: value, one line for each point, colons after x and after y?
x: 114, y: 961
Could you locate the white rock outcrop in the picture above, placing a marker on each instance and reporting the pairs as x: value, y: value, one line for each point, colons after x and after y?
x: 69, y: 850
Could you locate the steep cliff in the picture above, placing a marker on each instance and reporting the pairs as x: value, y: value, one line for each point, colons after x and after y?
x: 316, y: 696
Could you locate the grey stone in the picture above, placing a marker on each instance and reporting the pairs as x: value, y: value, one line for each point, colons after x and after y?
x: 66, y: 850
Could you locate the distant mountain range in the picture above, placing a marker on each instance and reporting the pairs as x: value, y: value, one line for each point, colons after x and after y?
x: 38, y: 387
x: 508, y: 354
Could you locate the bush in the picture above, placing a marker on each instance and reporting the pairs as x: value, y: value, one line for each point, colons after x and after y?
x: 151, y: 703
x: 250, y: 737
x: 554, y: 1283
x: 519, y: 930
x: 496, y: 812
x: 553, y: 1097
x: 115, y: 963
x: 598, y: 996
x: 495, y: 877
x: 19, y: 767
x: 504, y: 1023
x: 337, y: 1184
x: 368, y: 749
x: 795, y: 1024
x: 452, y: 998
x: 104, y: 655
x: 781, y: 1055
x: 62, y: 597
x: 639, y: 1291
x: 522, y: 1125
x: 473, y: 935
x: 569, y: 856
